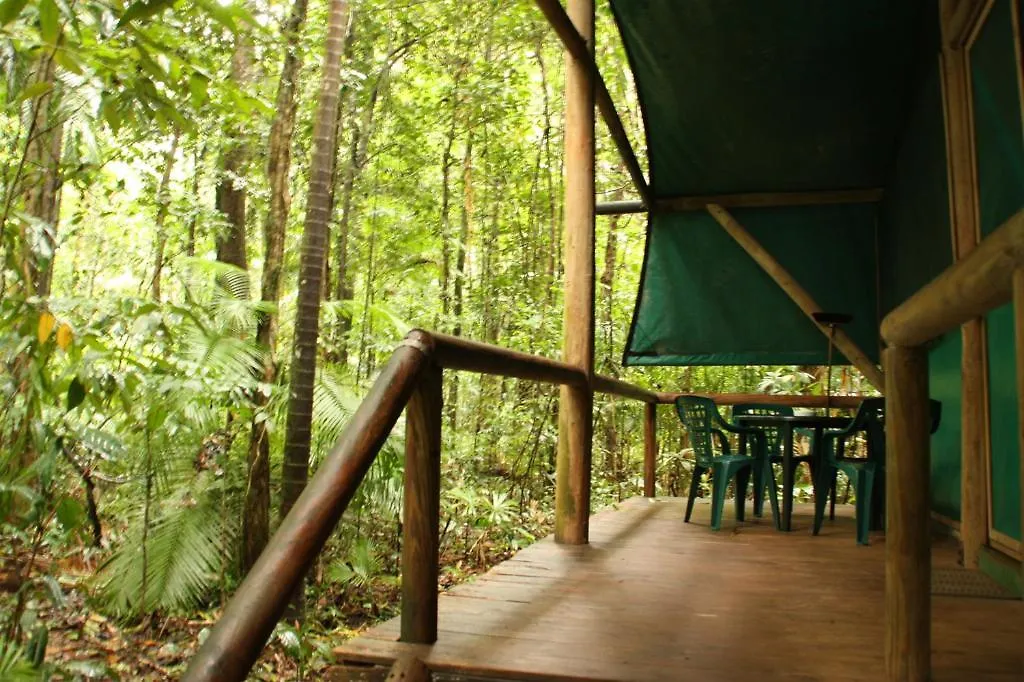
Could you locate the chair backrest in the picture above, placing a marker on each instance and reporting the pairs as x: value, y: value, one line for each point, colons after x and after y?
x: 697, y: 416
x: 772, y: 434
x: 871, y: 418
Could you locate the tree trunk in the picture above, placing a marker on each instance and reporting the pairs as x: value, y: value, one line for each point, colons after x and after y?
x: 611, y: 436
x: 163, y: 200
x: 230, y: 193
x: 256, y: 516
x: 193, y: 220
x: 460, y: 268
x: 358, y: 152
x: 42, y: 180
x: 311, y: 268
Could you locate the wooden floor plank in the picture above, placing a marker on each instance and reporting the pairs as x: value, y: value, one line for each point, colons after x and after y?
x: 652, y: 598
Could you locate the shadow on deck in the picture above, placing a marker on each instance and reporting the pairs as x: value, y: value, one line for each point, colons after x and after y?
x: 652, y: 598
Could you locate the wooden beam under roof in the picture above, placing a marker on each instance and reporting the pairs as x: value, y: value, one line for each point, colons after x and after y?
x: 577, y: 47
x: 843, y: 343
x: 750, y: 200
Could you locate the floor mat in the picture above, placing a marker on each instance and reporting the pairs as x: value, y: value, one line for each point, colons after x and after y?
x: 961, y: 582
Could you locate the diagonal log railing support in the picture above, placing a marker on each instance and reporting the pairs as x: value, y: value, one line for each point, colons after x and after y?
x: 411, y: 379
x: 806, y: 303
x: 236, y: 641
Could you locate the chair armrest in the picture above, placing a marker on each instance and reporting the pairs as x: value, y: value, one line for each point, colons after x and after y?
x: 742, y: 430
x: 723, y: 440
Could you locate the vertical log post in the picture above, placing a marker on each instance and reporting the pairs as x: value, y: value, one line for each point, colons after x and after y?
x: 421, y: 509
x: 650, y: 447
x: 575, y: 411
x: 963, y: 198
x: 907, y: 542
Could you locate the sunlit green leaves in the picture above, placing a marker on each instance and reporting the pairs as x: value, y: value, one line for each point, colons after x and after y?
x: 10, y: 9
x: 142, y: 10
x: 49, y: 21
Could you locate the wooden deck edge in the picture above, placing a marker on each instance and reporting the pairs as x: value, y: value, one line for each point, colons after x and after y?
x: 348, y: 657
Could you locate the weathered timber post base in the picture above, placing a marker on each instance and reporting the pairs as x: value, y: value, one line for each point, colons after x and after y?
x: 421, y: 509
x: 907, y: 542
x: 650, y: 447
x: 575, y: 408
x: 572, y: 467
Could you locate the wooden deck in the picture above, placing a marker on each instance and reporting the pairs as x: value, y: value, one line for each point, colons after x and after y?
x: 652, y: 598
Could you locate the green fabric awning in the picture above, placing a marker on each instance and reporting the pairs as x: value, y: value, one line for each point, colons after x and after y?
x: 750, y: 96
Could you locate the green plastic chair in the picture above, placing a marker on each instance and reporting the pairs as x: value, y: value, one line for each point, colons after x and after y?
x: 701, y: 418
x: 864, y: 474
x: 773, y: 447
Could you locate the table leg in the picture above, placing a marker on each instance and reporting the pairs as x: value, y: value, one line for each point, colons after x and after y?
x: 788, y: 477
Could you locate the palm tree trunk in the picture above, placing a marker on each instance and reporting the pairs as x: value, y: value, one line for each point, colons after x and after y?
x: 311, y: 269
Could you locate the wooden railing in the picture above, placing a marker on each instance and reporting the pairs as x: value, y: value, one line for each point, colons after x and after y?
x: 410, y: 380
x: 990, y: 276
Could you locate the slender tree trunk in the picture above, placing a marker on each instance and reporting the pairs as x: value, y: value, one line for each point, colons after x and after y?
x: 256, y: 516
x: 42, y: 180
x: 230, y: 193
x: 163, y: 199
x: 193, y: 220
x: 611, y: 435
x: 461, y: 250
x: 447, y: 161
x: 311, y: 268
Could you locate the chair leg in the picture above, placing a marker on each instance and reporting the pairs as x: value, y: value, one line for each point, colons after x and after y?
x: 742, y: 478
x: 694, y: 487
x: 773, y: 493
x: 719, y: 488
x: 759, y: 485
x: 833, y: 493
x: 863, y: 490
x: 821, y: 495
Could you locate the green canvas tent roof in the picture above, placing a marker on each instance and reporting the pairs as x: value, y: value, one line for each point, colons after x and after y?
x: 751, y: 96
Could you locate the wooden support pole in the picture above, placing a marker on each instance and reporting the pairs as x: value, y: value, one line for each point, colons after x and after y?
x: 650, y: 447
x: 796, y: 292
x: 575, y: 410
x: 954, y: 18
x: 907, y: 541
x: 1018, y: 314
x: 421, y: 509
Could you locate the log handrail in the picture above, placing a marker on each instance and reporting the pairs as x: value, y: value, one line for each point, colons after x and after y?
x: 969, y: 288
x: 240, y: 634
x: 817, y: 401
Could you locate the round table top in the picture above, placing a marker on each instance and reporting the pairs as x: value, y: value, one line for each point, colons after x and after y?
x: 801, y: 420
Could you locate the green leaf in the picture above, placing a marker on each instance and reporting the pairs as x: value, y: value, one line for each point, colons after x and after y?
x: 49, y: 21
x: 70, y: 514
x: 143, y: 9
x: 76, y: 394
x: 69, y: 61
x: 35, y: 90
x: 10, y: 9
